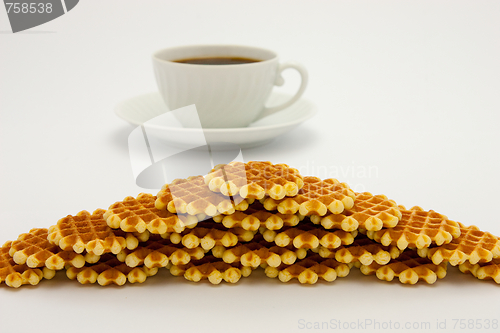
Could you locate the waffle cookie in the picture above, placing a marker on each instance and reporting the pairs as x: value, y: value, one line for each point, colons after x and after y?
x: 208, y: 237
x: 34, y: 250
x: 409, y: 267
x: 307, y: 236
x: 211, y: 269
x: 89, y: 232
x: 256, y: 216
x: 418, y: 229
x: 158, y: 252
x: 255, y: 180
x: 472, y: 245
x: 316, y: 197
x: 363, y: 250
x: 140, y: 214
x: 370, y: 212
x: 483, y: 271
x: 309, y: 270
x: 109, y: 270
x: 193, y: 197
x: 261, y: 253
x: 15, y: 275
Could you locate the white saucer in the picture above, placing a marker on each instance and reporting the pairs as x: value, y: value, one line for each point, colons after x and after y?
x: 140, y: 109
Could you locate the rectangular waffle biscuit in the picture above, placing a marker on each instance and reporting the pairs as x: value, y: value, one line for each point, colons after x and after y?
x: 309, y: 270
x: 140, y: 214
x: 208, y: 235
x: 159, y: 252
x: 15, y: 275
x: 212, y: 269
x: 409, y: 267
x: 259, y: 253
x: 84, y: 231
x: 109, y: 270
x: 254, y: 180
x: 193, y: 197
x: 473, y: 245
x: 256, y: 216
x: 316, y: 197
x: 308, y: 236
x: 418, y: 229
x: 34, y: 250
x: 369, y: 212
x: 363, y: 250
x: 483, y: 271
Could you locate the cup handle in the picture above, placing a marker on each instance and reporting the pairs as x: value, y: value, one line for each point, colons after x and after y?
x: 279, y: 82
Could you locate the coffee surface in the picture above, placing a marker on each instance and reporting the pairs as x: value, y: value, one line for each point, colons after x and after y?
x: 217, y: 61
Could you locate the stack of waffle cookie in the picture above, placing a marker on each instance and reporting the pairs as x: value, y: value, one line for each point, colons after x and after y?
x: 246, y: 216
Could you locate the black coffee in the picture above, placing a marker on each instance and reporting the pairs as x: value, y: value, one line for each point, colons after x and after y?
x: 217, y: 61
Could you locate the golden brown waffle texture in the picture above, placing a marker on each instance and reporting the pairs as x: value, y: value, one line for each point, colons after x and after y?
x: 193, y: 197
x: 256, y: 216
x: 309, y: 270
x: 159, y: 252
x: 418, y: 228
x: 251, y: 216
x: 255, y: 180
x: 15, y: 275
x: 483, y: 271
x: 473, y: 245
x: 211, y: 269
x: 409, y: 267
x: 140, y: 214
x: 109, y: 270
x: 363, y: 250
x: 90, y: 232
x: 34, y: 250
x: 256, y: 254
x: 307, y: 236
x: 369, y: 212
x: 316, y: 197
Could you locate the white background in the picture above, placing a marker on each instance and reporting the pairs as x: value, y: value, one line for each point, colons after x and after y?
x: 408, y: 99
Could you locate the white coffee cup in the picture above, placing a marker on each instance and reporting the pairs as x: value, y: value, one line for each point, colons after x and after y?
x: 226, y: 96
